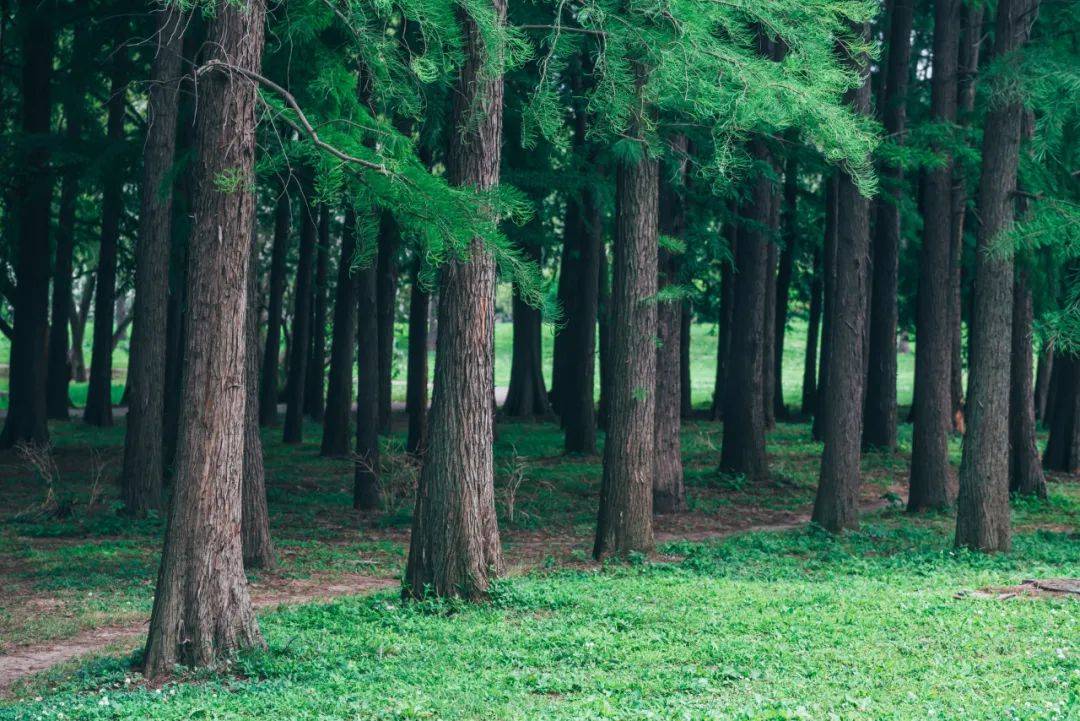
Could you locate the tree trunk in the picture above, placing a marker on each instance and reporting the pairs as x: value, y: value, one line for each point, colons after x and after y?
x: 809, y: 380
x: 743, y: 450
x: 1026, y: 477
x: 724, y: 322
x: 79, y: 318
x: 386, y: 290
x: 931, y: 476
x: 141, y: 479
x: 293, y: 430
x: 203, y: 548
x: 1063, y: 445
x: 335, y: 440
x: 366, y: 487
x: 562, y: 357
x: 416, y: 390
x: 1042, y: 380
x: 624, y: 522
x: 258, y: 549
x: 526, y: 397
x: 314, y: 401
x: 668, y: 491
x: 454, y: 548
x: 98, y: 411
x: 783, y: 280
x: 982, y: 519
x: 268, y: 379
x: 879, y: 427
x: 768, y: 335
x: 603, y: 322
x: 836, y: 506
x: 828, y: 264
x: 686, y: 400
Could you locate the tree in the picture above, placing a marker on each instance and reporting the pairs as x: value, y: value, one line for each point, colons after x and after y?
x: 828, y: 263
x: 293, y: 430
x: 725, y: 321
x: 386, y: 294
x: 366, y: 488
x: 930, y: 484
x: 783, y: 279
x: 1025, y: 474
x: 809, y: 382
x: 526, y: 397
x: 1063, y: 445
x: 416, y: 390
x: 314, y: 400
x: 335, y: 439
x: 268, y: 379
x: 203, y: 547
x: 982, y: 519
x: 141, y: 479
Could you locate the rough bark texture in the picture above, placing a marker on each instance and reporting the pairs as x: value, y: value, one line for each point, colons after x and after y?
x: 526, y: 397
x: 982, y: 519
x: 836, y: 505
x: 314, y: 400
x: 98, y: 411
x: 1026, y: 474
x: 828, y: 262
x: 141, y: 479
x: 454, y: 549
x: 268, y: 379
x: 809, y: 381
x: 668, y: 491
x: 624, y: 522
x: 931, y: 483
x: 416, y: 389
x: 743, y: 450
x: 727, y: 309
x: 1063, y: 445
x: 386, y: 290
x: 335, y: 439
x: 366, y: 488
x: 293, y: 430
x: 879, y: 427
x: 202, y: 609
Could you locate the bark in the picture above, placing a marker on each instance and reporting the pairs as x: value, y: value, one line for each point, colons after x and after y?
x: 931, y: 483
x: 293, y: 430
x: 141, y: 479
x: 879, y: 428
x: 686, y: 401
x: 724, y: 324
x: 314, y: 400
x: 579, y: 410
x: 828, y: 261
x: 562, y: 356
x: 809, y: 381
x: 783, y: 280
x: 268, y: 380
x: 982, y: 520
x: 624, y: 521
x: 366, y: 488
x: 1026, y: 475
x: 416, y: 390
x: 33, y: 194
x: 526, y: 397
x: 668, y: 491
x: 98, y: 411
x: 454, y: 549
x: 768, y: 335
x: 258, y: 549
x: 389, y: 239
x: 743, y: 449
x: 335, y: 440
x: 1042, y: 380
x: 1063, y: 445
x: 202, y: 609
x: 836, y: 506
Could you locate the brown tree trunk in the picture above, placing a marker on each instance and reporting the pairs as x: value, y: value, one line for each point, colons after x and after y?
x: 982, y: 519
x: 1026, y: 477
x: 526, y: 397
x: 562, y: 356
x: 931, y: 483
x: 1063, y: 445
x: 809, y: 380
x: 202, y: 610
x: 783, y: 280
x: 98, y: 411
x: 366, y: 485
x: 836, y: 506
x: 141, y: 479
x: 724, y: 322
x: 1043, y: 374
x: 314, y: 401
x: 454, y: 549
x: 335, y: 440
x: 686, y: 401
x: 258, y: 549
x: 293, y: 430
x: 624, y: 521
x: 768, y: 335
x: 79, y: 318
x: 879, y: 427
x: 416, y: 390
x: 828, y: 264
x: 386, y: 296
x: 268, y: 379
x: 668, y: 491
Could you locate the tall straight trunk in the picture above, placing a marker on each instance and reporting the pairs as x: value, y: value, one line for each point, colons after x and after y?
x: 141, y: 479
x: 526, y: 397
x: 879, y: 427
x: 416, y: 390
x: 783, y: 279
x: 1026, y: 474
x: 293, y: 430
x: 268, y: 379
x: 314, y: 401
x: 203, y: 547
x: 828, y: 264
x: 335, y: 439
x: 79, y: 318
x: 930, y: 484
x: 25, y: 420
x: 968, y: 68
x: 258, y: 549
x: 624, y: 521
x: 809, y: 380
x: 98, y: 411
x: 686, y: 401
x: 724, y: 322
x: 454, y: 549
x: 1045, y: 370
x: 386, y: 290
x: 668, y: 491
x: 603, y: 322
x: 836, y: 505
x: 982, y: 519
x: 743, y: 449
x: 768, y: 335
x: 562, y: 357
x: 366, y: 485
x: 1063, y: 445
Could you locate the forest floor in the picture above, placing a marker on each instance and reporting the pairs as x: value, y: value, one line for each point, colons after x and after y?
x: 81, y: 583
